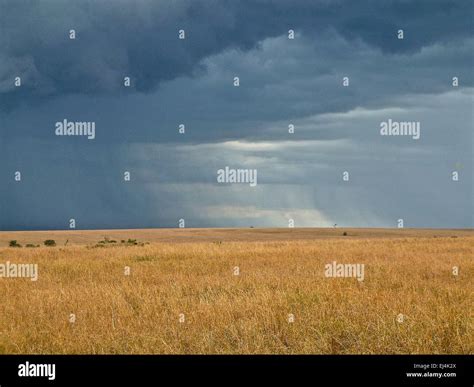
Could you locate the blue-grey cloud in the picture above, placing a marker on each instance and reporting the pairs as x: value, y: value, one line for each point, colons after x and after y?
x: 140, y: 39
x: 282, y: 81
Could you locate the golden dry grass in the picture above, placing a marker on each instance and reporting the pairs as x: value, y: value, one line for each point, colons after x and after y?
x: 177, y: 235
x: 248, y: 313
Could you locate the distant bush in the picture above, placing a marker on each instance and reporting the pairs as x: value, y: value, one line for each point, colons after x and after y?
x: 129, y: 242
x: 31, y: 245
x: 14, y: 244
x: 50, y: 242
x: 344, y: 233
x: 106, y: 241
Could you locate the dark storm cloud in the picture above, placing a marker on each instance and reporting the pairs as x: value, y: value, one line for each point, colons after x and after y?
x: 282, y: 81
x: 139, y: 39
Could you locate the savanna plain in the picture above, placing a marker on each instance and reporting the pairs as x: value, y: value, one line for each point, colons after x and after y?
x: 238, y: 291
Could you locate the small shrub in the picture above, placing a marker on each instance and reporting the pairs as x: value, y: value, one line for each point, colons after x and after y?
x: 107, y: 241
x: 14, y: 244
x: 344, y: 233
x: 50, y: 242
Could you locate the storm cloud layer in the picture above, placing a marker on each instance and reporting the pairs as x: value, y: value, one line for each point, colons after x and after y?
x: 297, y: 82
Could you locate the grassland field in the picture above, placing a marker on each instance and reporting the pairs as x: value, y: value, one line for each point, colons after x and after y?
x: 244, y: 291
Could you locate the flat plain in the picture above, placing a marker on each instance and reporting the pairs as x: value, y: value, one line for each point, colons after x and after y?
x: 240, y: 291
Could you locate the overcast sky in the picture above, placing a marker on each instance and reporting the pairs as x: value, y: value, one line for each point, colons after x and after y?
x: 191, y: 81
